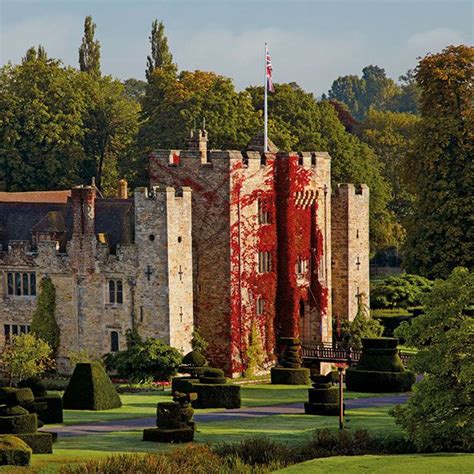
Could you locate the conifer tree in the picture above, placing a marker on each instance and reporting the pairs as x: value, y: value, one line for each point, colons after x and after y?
x: 161, y: 56
x: 89, y: 52
x: 44, y: 324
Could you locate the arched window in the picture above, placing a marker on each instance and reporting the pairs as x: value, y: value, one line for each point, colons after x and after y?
x: 114, y: 341
x: 111, y: 291
x: 119, y: 292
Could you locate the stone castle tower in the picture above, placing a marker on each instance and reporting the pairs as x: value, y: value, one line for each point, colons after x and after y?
x: 262, y: 244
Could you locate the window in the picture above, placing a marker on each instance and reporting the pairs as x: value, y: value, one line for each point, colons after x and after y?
x: 114, y: 341
x: 14, y: 329
x: 260, y: 306
x: 301, y: 266
x: 263, y: 212
x: 115, y: 291
x: 264, y: 262
x: 21, y: 284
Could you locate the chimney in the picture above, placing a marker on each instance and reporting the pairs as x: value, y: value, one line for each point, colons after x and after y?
x: 198, y: 143
x: 122, y: 191
x: 83, y: 211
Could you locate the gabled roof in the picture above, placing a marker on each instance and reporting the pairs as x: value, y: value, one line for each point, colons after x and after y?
x: 53, y: 221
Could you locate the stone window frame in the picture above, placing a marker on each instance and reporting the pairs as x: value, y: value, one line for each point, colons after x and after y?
x: 17, y: 281
x: 301, y: 266
x: 115, y: 291
x: 10, y: 329
x: 264, y: 262
x: 114, y: 341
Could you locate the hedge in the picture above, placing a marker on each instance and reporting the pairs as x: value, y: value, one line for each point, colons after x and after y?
x: 194, y: 359
x: 90, y: 388
x: 18, y: 424
x: 14, y: 451
x: 37, y: 386
x: 53, y: 413
x: 181, y: 435
x: 215, y: 380
x: 217, y: 396
x: 378, y: 382
x: 40, y: 442
x: 290, y: 376
x: 16, y: 396
x: 182, y: 384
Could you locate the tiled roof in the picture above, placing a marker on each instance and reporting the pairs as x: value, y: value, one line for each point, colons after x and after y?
x: 36, y: 196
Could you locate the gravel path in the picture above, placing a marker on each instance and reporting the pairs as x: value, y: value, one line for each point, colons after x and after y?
x: 228, y: 415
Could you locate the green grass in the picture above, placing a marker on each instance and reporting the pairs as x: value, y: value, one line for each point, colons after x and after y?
x: 291, y: 429
x: 406, y: 463
x: 142, y: 405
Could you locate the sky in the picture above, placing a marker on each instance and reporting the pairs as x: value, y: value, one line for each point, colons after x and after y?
x: 310, y: 42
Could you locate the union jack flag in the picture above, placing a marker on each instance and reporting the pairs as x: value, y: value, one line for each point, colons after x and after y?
x: 269, y: 72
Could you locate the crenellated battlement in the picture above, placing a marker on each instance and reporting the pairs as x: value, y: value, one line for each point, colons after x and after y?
x: 345, y: 190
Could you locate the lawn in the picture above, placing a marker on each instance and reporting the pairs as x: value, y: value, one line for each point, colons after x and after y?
x: 143, y: 405
x: 290, y: 429
x: 406, y: 463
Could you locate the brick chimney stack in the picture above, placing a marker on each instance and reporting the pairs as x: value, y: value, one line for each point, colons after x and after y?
x: 83, y: 233
x: 198, y: 142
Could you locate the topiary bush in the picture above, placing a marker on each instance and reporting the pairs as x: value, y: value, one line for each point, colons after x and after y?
x: 287, y: 376
x: 37, y: 386
x: 217, y: 396
x: 53, y: 411
x: 39, y: 442
x: 379, y: 369
x: 183, y: 384
x: 323, y: 397
x: 14, y: 451
x: 194, y: 359
x: 90, y: 388
x: 212, y: 375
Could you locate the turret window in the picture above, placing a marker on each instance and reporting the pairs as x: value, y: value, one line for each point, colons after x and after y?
x: 115, y: 291
x: 21, y: 284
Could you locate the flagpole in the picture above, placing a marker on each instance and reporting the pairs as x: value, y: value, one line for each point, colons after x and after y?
x: 265, y: 110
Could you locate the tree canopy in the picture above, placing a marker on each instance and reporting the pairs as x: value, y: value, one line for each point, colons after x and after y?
x: 439, y: 416
x: 160, y: 57
x: 440, y: 171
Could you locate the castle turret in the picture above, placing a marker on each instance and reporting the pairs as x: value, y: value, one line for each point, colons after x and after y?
x: 350, y: 250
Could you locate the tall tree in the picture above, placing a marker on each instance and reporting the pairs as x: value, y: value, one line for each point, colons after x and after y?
x: 41, y: 125
x: 441, y: 169
x: 391, y: 136
x: 89, y: 51
x: 160, y: 56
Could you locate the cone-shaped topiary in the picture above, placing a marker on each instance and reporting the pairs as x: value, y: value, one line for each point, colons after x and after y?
x: 90, y: 388
x: 44, y: 324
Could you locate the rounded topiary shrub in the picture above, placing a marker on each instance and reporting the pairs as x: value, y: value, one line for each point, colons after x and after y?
x: 194, y: 359
x: 289, y: 376
x: 14, y: 451
x: 36, y: 385
x: 379, y: 369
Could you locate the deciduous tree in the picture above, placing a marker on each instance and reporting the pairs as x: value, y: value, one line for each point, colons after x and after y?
x: 160, y: 57
x: 441, y: 169
x: 439, y: 416
x: 89, y: 51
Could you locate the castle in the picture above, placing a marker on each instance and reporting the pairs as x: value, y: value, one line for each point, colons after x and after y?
x: 225, y: 240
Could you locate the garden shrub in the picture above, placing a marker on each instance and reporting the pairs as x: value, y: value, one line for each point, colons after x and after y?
x: 53, y: 412
x: 289, y: 376
x: 401, y: 291
x: 182, y: 384
x: 44, y: 324
x: 217, y: 396
x: 211, y: 372
x: 255, y: 354
x: 256, y: 450
x: 144, y: 359
x: 39, y: 442
x: 323, y: 397
x: 212, y: 375
x: 14, y: 451
x: 90, y: 388
x: 15, y: 424
x: 194, y: 359
x: 36, y: 385
x: 379, y: 369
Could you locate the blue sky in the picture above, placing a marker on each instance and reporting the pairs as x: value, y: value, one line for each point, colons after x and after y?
x: 311, y: 42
